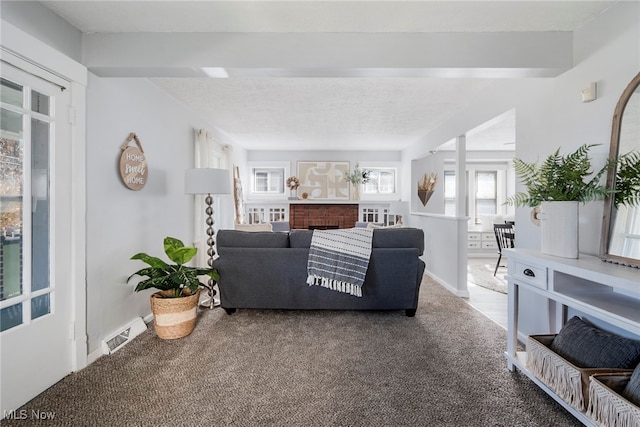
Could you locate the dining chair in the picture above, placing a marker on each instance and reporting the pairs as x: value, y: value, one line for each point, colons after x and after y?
x: 505, y: 236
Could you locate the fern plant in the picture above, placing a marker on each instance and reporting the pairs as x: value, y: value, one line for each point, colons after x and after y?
x: 562, y: 178
x: 627, y: 185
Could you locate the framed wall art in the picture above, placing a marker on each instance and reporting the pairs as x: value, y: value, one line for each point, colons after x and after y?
x: 323, y: 180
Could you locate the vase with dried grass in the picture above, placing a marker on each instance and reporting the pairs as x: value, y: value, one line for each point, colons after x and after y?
x: 427, y: 187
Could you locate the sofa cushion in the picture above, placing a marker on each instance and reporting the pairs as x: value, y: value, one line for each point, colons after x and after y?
x: 300, y: 238
x: 589, y: 347
x: 632, y: 390
x: 399, y: 238
x: 246, y: 239
x: 264, y: 226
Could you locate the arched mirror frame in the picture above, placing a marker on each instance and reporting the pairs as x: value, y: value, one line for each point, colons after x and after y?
x: 608, y: 203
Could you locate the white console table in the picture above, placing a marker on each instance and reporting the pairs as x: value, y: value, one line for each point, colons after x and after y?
x: 603, y: 291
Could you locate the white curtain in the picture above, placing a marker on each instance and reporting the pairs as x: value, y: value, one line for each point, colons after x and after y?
x: 208, y: 154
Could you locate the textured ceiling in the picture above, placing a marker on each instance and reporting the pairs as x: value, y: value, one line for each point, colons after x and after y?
x: 324, y: 113
x: 326, y: 16
x: 351, y: 113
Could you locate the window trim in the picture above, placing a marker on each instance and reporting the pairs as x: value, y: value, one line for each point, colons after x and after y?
x: 395, y: 166
x: 252, y: 194
x: 501, y: 169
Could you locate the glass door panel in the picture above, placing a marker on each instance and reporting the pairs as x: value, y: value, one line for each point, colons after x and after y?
x: 24, y: 204
x: 11, y: 208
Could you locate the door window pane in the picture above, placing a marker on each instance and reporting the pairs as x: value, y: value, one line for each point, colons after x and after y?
x: 39, y: 204
x: 11, y: 270
x: 40, y: 306
x: 11, y: 93
x: 10, y: 317
x: 39, y: 103
x: 11, y: 179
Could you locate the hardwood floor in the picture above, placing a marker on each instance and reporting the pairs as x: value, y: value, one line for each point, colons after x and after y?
x: 491, y: 303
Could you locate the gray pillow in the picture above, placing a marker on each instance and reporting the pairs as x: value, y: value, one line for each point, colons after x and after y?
x: 300, y: 238
x: 589, y: 347
x: 632, y: 390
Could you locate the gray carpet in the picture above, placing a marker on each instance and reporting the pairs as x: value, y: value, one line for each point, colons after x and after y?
x: 444, y: 367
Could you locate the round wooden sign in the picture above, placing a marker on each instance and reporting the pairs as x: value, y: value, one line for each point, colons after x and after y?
x: 133, y: 165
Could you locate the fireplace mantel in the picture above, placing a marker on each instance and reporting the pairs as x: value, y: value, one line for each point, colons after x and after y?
x: 305, y: 215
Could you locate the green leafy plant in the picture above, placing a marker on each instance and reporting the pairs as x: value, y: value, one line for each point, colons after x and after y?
x: 627, y: 186
x: 566, y: 178
x: 359, y: 176
x: 182, y: 280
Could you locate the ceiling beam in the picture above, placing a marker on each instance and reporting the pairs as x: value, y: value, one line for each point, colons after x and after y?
x: 448, y: 55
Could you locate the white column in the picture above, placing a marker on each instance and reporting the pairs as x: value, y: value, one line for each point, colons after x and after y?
x: 461, y: 196
x: 461, y: 181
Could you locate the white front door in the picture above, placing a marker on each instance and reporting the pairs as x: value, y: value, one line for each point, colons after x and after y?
x: 36, y: 302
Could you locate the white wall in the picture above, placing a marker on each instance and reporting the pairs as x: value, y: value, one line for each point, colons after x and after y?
x: 40, y: 22
x: 368, y: 158
x: 445, y: 240
x: 122, y: 222
x: 550, y: 114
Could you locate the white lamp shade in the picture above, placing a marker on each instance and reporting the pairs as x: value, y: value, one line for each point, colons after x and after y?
x: 399, y: 208
x: 207, y: 181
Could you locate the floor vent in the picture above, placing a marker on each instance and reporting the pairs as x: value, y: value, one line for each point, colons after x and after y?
x: 118, y: 340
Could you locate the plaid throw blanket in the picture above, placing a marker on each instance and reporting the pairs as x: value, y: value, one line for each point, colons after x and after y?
x: 338, y: 259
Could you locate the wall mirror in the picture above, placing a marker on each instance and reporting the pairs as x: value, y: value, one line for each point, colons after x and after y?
x: 620, y: 241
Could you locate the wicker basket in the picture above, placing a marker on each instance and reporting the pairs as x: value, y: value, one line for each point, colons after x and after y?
x: 174, y: 317
x: 569, y: 382
x: 607, y: 407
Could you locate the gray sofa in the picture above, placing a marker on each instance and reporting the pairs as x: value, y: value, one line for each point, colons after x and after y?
x: 269, y: 270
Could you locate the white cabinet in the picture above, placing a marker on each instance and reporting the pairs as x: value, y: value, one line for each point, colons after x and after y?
x: 605, y: 292
x: 482, y: 242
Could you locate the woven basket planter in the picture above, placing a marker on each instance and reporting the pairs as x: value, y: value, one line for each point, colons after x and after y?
x: 569, y: 382
x: 607, y: 407
x: 174, y: 317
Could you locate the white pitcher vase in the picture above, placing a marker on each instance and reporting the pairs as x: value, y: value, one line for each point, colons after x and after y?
x: 559, y: 226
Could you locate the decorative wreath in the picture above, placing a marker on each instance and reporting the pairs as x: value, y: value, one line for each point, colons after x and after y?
x: 293, y: 183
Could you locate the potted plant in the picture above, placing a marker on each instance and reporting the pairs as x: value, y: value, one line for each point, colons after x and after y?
x: 559, y: 184
x: 357, y: 178
x: 174, y: 305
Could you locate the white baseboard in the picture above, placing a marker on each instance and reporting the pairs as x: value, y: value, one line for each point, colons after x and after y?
x: 453, y: 289
x: 95, y: 355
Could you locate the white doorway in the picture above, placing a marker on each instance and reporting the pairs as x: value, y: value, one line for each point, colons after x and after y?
x: 37, y: 303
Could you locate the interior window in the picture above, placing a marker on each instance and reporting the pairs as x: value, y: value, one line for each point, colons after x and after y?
x: 381, y: 181
x: 486, y: 188
x: 268, y: 180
